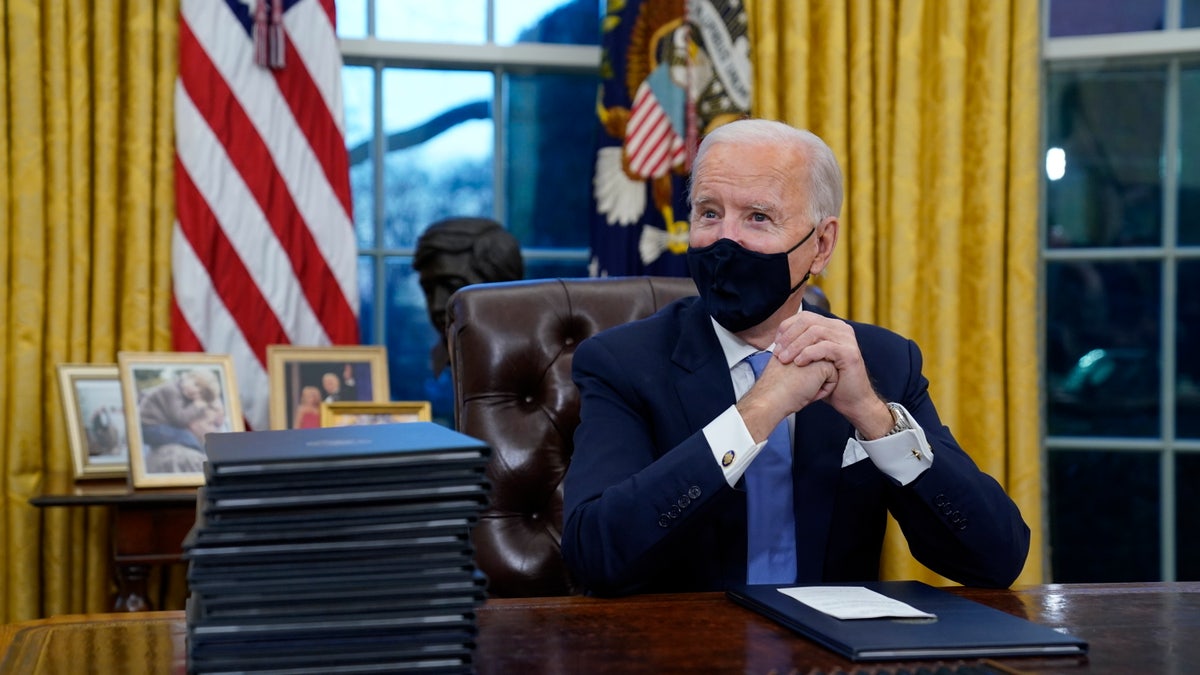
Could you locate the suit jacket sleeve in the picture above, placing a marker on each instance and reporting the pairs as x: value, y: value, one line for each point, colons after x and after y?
x: 634, y: 496
x: 957, y: 520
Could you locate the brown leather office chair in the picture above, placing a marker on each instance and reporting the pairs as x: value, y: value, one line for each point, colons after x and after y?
x: 511, y: 345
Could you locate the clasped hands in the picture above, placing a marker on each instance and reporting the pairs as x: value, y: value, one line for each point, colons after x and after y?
x: 815, y: 358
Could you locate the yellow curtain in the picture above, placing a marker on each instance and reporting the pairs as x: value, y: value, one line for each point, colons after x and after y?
x: 86, y: 166
x: 932, y: 108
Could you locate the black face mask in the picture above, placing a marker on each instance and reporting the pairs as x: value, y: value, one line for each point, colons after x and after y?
x: 740, y: 287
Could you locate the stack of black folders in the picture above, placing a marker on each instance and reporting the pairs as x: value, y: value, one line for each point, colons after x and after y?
x: 336, y: 550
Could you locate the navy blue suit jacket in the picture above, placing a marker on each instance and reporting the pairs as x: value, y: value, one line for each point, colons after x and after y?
x: 647, y: 509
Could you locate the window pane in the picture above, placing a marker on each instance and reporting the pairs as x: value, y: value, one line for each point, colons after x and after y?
x: 440, y: 139
x: 1104, y: 523
x: 555, y: 269
x: 410, y: 336
x: 1191, y: 13
x: 1103, y: 348
x: 1189, y: 156
x: 1094, y: 17
x: 358, y: 94
x: 1187, y: 517
x: 1187, y: 357
x: 460, y: 21
x: 1105, y: 136
x: 575, y: 22
x: 352, y: 18
x: 548, y: 163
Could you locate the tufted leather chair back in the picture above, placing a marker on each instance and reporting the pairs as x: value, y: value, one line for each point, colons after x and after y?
x: 511, y: 345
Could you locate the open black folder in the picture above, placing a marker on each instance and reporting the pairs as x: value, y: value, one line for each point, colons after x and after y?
x: 963, y: 628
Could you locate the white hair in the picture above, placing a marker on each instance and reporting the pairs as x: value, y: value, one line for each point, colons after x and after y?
x: 824, y: 175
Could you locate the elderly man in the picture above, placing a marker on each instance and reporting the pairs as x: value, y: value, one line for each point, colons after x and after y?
x: 745, y: 437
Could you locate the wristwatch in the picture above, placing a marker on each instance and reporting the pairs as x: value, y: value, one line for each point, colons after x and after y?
x: 901, y: 420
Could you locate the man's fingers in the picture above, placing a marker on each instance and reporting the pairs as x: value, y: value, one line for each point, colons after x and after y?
x: 797, y: 334
x: 800, y: 385
x: 821, y: 351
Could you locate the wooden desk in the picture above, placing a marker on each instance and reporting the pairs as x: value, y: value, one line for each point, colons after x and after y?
x: 1132, y: 628
x: 148, y: 527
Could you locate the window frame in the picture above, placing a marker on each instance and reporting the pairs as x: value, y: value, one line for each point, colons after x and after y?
x: 500, y: 60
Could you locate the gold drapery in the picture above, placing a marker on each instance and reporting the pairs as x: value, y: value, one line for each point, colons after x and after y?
x: 932, y: 109
x: 86, y: 170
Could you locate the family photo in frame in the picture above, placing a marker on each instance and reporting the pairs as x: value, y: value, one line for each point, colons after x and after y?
x: 172, y: 402
x: 95, y: 414
x: 302, y: 379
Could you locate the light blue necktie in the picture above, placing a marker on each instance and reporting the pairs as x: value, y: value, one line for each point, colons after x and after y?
x: 771, y: 531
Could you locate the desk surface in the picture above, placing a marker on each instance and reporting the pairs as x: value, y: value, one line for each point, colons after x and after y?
x: 1153, y: 628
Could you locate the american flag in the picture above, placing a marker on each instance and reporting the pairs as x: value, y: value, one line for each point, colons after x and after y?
x: 263, y: 250
x: 652, y: 143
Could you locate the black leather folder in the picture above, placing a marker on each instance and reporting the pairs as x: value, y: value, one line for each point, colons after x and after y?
x: 303, y: 454
x: 963, y: 628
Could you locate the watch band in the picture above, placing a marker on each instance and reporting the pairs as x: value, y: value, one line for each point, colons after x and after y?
x: 899, y: 417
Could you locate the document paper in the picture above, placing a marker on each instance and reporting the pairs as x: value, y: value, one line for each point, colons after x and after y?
x: 853, y: 602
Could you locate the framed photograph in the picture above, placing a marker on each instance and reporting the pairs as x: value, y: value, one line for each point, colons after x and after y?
x: 302, y: 378
x: 172, y: 401
x: 95, y: 414
x: 345, y: 414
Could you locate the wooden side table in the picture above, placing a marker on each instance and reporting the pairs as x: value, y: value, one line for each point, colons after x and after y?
x: 148, y: 527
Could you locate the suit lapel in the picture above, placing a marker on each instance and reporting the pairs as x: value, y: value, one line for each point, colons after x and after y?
x: 704, y: 388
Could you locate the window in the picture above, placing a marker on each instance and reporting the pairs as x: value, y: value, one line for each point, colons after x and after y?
x: 464, y: 108
x: 1121, y: 267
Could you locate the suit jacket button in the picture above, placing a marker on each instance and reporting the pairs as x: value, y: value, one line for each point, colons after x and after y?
x: 684, y: 502
x: 664, y: 521
x: 674, y: 511
x: 694, y: 492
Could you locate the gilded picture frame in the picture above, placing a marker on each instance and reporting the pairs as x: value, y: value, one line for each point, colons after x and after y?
x: 172, y: 401
x: 94, y: 411
x: 350, y: 413
x: 302, y: 378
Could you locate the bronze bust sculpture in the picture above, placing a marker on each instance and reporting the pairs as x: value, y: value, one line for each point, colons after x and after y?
x: 457, y: 252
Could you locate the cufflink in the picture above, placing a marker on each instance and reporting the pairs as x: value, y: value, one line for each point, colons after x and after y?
x: 727, y: 458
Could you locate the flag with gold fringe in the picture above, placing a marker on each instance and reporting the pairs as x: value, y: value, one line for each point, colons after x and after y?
x: 671, y: 70
x: 263, y: 247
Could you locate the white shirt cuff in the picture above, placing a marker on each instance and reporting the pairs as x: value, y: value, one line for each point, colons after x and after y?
x: 904, y: 455
x: 731, y: 443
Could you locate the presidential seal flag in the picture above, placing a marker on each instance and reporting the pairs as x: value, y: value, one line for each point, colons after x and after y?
x: 263, y: 250
x: 672, y: 70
